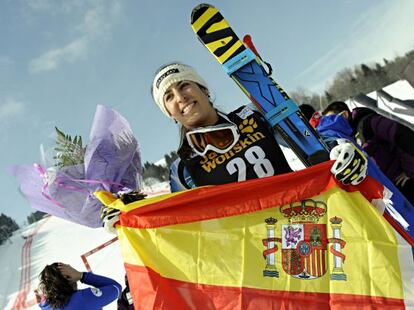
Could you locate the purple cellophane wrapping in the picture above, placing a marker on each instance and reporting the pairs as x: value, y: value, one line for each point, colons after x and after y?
x: 112, y: 162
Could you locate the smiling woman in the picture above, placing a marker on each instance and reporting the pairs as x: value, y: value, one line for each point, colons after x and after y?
x: 215, y: 148
x: 218, y: 148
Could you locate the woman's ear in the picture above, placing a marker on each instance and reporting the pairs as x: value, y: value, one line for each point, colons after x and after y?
x: 205, y: 91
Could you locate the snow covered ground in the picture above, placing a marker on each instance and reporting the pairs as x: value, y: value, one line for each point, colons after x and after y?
x: 56, y: 240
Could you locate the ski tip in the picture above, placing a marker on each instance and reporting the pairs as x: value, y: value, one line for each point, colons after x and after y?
x: 199, y: 10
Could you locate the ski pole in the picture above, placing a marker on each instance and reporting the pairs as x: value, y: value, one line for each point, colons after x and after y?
x: 247, y: 40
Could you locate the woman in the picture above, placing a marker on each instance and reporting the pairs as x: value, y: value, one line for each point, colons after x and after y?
x: 218, y: 148
x: 58, y: 287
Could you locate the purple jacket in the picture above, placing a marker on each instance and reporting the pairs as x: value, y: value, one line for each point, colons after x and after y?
x: 386, y: 141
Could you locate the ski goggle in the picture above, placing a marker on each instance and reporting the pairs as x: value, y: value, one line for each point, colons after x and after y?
x: 218, y: 138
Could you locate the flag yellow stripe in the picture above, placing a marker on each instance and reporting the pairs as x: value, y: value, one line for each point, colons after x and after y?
x: 228, y: 251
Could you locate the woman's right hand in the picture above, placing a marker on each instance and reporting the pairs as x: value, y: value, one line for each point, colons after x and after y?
x: 70, y: 273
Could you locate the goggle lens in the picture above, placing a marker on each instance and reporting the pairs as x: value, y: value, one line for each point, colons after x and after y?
x: 220, y: 138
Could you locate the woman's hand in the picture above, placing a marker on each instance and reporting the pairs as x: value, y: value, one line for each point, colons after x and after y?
x: 350, y: 165
x: 39, y: 297
x: 70, y: 273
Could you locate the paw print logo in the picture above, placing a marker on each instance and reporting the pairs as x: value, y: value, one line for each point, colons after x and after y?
x: 248, y: 126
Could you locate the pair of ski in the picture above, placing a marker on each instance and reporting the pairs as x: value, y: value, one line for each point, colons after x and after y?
x: 245, y: 67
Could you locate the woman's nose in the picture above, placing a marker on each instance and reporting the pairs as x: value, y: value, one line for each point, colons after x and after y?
x: 180, y: 96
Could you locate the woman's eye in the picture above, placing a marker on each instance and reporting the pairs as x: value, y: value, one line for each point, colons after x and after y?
x: 167, y: 97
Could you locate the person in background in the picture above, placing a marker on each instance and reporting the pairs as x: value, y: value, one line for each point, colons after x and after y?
x: 387, y: 142
x: 307, y: 110
x: 58, y: 289
x: 125, y: 301
x: 311, y: 114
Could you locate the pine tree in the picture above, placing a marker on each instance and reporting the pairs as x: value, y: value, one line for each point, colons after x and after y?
x: 35, y: 216
x: 7, y: 227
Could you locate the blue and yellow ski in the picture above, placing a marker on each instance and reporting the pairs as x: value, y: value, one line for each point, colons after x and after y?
x: 246, y: 69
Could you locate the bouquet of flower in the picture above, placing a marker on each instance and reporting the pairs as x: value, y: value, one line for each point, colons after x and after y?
x: 110, y: 161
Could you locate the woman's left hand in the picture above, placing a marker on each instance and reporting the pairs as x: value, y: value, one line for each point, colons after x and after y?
x: 350, y: 165
x: 70, y: 273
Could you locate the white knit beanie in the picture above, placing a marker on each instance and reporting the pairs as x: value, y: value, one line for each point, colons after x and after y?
x: 169, y: 75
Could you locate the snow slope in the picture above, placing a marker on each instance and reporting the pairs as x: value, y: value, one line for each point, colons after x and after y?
x: 55, y: 240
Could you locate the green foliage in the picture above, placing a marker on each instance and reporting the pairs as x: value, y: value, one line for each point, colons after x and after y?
x: 349, y: 82
x: 304, y: 96
x: 169, y: 158
x: 154, y: 171
x: 35, y: 216
x: 367, y: 78
x: 7, y: 227
x: 157, y: 172
x: 69, y: 151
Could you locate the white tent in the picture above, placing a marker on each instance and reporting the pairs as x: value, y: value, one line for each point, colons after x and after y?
x: 395, y: 101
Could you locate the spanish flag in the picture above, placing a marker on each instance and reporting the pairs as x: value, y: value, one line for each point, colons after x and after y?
x: 295, y: 241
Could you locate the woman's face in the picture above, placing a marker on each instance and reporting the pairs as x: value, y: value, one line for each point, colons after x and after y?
x: 189, y: 105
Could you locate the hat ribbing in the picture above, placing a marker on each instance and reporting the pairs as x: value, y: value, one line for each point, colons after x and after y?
x: 168, y: 76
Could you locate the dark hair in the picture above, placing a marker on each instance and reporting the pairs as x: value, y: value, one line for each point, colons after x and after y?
x: 307, y: 110
x: 55, y: 286
x: 182, y: 129
x: 336, y: 107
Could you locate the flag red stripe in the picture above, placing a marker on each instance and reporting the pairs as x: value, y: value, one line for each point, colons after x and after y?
x: 318, y: 263
x: 314, y: 258
x: 152, y: 291
x: 253, y: 195
x: 243, y: 197
x: 324, y: 263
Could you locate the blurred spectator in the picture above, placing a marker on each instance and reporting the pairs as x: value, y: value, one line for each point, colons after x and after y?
x: 310, y: 114
x: 307, y: 110
x: 388, y: 142
x: 125, y: 301
x: 58, y: 289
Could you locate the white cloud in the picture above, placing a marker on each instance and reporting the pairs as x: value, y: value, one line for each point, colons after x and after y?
x: 52, y: 59
x: 382, y: 32
x: 10, y: 108
x: 95, y: 24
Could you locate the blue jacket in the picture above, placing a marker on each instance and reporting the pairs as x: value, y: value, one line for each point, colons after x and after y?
x: 103, y: 292
x: 332, y: 127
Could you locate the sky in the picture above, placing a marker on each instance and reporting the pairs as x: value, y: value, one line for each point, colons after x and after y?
x: 60, y: 59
